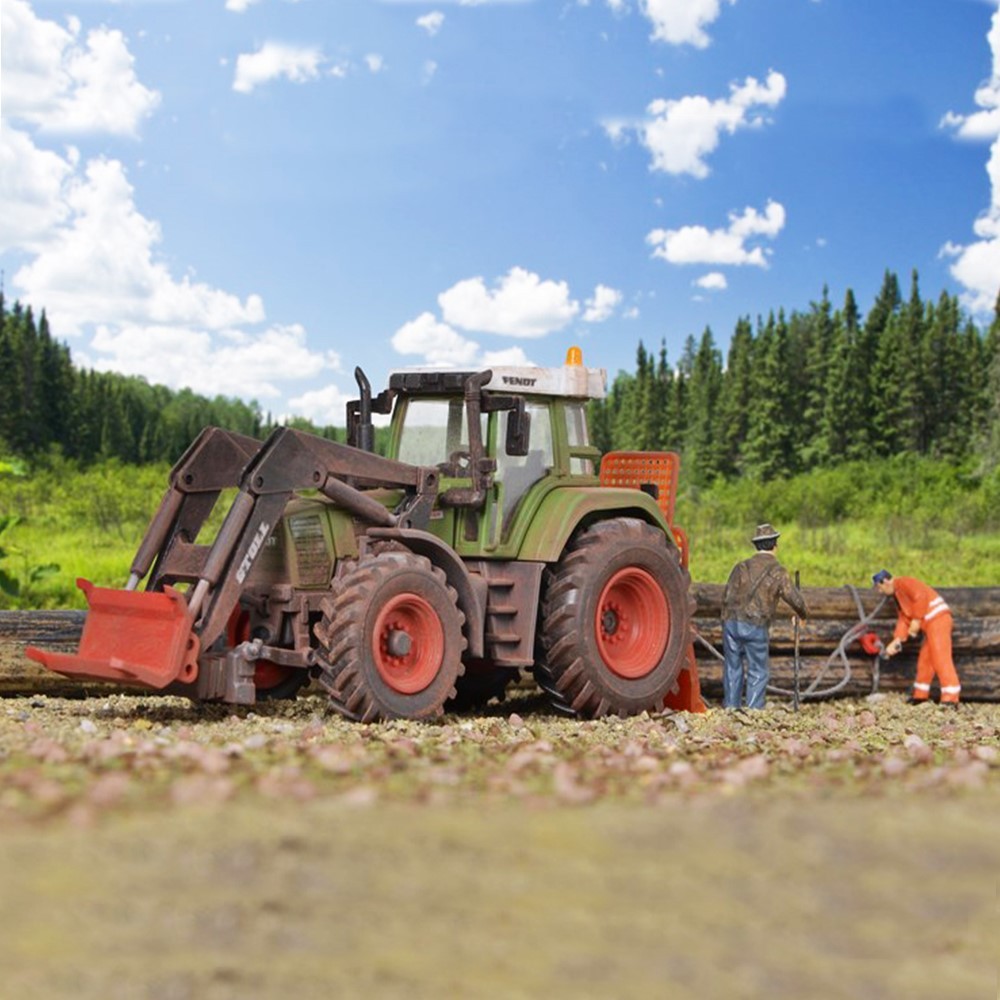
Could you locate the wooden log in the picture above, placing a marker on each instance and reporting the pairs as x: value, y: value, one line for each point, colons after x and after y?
x: 59, y: 630
x: 970, y: 635
x: 839, y: 602
x: 976, y: 642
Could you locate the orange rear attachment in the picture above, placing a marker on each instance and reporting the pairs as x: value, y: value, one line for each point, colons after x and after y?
x: 130, y: 636
x: 638, y: 469
x: 687, y: 697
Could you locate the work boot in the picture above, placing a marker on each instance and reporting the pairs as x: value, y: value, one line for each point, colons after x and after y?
x: 917, y: 701
x: 953, y: 705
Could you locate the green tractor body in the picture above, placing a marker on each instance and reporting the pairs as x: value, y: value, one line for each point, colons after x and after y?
x: 490, y: 540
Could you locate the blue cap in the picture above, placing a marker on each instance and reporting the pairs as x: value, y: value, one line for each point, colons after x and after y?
x: 881, y: 576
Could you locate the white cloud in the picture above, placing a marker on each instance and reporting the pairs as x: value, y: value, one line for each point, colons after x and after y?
x: 436, y: 342
x: 429, y: 71
x: 680, y: 134
x: 240, y: 6
x: 681, y: 22
x: 324, y: 407
x: 55, y: 83
x: 431, y: 23
x: 375, y: 63
x: 272, y: 60
x: 521, y: 305
x: 91, y: 256
x: 31, y: 191
x: 714, y: 281
x: 234, y: 364
x: 601, y: 304
x: 698, y: 245
x: 977, y: 264
x: 101, y: 263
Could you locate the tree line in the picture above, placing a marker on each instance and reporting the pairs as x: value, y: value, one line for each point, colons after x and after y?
x: 816, y: 388
x: 794, y: 392
x: 47, y: 404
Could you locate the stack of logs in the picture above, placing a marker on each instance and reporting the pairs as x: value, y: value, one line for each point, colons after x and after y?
x: 835, y: 610
x: 832, y: 612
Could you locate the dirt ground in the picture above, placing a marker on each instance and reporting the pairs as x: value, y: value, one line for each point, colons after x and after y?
x: 153, y: 849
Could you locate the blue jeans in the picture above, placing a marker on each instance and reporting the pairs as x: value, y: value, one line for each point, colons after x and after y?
x: 742, y: 640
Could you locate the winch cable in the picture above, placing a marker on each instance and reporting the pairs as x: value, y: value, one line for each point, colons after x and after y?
x: 852, y: 635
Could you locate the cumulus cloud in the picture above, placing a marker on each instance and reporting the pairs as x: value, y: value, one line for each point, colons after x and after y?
x: 431, y: 23
x: 326, y: 406
x: 91, y: 257
x: 976, y: 265
x: 729, y: 246
x: 435, y: 342
x: 601, y: 304
x: 55, y: 81
x: 240, y: 6
x: 234, y: 364
x: 681, y: 134
x: 714, y: 281
x: 102, y: 262
x: 681, y: 22
x: 31, y: 187
x: 375, y: 63
x: 272, y: 60
x: 520, y: 305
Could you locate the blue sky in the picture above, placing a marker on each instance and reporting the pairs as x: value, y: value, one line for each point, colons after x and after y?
x: 251, y: 197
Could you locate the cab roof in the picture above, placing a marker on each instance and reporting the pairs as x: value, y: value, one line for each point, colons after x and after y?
x: 570, y: 381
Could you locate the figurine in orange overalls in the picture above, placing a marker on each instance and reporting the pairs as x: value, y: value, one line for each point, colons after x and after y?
x: 922, y: 609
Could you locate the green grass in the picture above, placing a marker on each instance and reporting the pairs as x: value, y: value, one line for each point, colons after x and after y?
x: 915, y: 516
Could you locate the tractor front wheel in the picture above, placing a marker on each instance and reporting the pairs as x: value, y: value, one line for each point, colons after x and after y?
x: 615, y: 621
x: 392, y: 636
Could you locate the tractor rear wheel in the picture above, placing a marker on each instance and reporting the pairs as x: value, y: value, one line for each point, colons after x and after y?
x: 615, y: 621
x: 392, y: 638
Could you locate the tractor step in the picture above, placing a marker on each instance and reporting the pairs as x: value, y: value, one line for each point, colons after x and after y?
x: 132, y: 637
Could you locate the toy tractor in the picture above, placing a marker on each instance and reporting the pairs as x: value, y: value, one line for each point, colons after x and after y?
x: 484, y: 543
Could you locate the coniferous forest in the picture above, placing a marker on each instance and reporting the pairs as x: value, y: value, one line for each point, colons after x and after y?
x: 815, y: 389
x: 794, y: 392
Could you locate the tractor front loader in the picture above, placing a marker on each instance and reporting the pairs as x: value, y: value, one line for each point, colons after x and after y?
x: 164, y: 635
x: 485, y: 544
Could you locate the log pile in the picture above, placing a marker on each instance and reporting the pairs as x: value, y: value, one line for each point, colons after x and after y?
x: 832, y: 612
x: 835, y: 610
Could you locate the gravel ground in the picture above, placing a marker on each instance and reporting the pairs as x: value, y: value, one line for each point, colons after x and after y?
x: 156, y: 849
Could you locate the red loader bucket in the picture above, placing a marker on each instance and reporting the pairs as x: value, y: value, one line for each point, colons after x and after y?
x: 132, y: 637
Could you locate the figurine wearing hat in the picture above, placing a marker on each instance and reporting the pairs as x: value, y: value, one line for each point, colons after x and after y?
x: 749, y: 604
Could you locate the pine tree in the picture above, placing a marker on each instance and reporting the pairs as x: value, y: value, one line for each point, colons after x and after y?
x: 702, y: 447
x: 735, y: 398
x: 770, y: 434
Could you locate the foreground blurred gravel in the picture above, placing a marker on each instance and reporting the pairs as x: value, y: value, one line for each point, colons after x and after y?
x: 76, y: 760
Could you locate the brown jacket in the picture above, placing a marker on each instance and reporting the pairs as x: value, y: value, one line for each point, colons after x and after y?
x: 754, y: 588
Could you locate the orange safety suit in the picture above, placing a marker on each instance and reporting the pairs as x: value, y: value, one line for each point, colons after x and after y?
x: 920, y: 603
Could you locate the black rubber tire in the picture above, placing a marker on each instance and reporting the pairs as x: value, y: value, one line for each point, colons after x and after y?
x: 572, y: 668
x: 350, y: 667
x: 477, y: 688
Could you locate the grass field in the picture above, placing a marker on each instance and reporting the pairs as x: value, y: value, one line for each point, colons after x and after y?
x: 916, y: 517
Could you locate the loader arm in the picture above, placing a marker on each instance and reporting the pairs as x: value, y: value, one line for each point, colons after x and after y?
x: 155, y: 637
x: 292, y: 460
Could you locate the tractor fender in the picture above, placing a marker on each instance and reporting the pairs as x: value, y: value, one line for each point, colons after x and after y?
x: 471, y: 598
x: 565, y: 509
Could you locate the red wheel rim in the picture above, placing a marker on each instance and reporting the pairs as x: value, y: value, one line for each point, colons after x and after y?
x: 267, y: 674
x: 408, y: 643
x: 632, y: 623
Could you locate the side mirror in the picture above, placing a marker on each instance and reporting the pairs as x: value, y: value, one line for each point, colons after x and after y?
x: 518, y: 431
